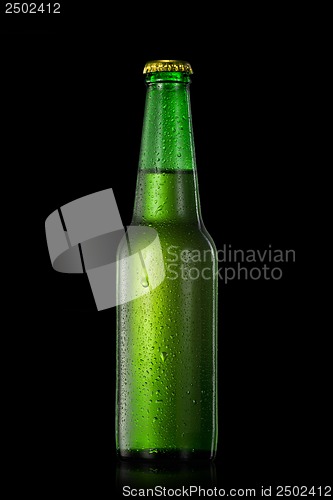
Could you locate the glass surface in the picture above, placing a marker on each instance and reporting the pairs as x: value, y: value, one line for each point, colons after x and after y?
x: 167, y: 338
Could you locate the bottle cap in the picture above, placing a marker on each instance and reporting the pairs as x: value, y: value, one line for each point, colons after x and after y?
x: 167, y: 65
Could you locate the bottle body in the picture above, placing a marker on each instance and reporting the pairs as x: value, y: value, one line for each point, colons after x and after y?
x: 167, y: 338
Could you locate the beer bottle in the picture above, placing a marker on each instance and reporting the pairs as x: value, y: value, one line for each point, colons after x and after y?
x: 166, y: 394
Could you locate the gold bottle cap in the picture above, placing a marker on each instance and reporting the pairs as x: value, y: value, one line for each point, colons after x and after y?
x: 167, y: 65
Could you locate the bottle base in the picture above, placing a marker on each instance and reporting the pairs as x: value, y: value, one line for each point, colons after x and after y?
x: 165, y: 455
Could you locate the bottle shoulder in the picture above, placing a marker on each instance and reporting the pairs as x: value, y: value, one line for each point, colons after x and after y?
x: 190, y: 236
x: 208, y: 237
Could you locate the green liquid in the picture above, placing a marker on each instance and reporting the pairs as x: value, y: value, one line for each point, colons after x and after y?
x: 166, y: 339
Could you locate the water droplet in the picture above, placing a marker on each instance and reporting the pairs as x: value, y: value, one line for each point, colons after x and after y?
x: 163, y: 356
x: 153, y: 450
x: 145, y: 282
x: 194, y: 402
x: 155, y: 419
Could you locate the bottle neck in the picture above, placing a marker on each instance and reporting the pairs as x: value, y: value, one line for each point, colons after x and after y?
x: 167, y: 189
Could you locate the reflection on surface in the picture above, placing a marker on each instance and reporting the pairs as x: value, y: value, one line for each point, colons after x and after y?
x: 169, y: 475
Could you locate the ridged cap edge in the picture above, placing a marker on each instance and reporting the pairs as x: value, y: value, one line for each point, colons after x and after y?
x: 167, y: 65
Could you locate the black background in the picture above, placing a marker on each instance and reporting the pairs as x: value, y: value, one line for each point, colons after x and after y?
x: 74, y: 96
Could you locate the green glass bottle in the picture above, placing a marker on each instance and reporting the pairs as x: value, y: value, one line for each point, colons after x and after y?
x: 166, y: 395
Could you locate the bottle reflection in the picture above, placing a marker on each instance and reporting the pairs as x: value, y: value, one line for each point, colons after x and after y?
x: 170, y: 475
